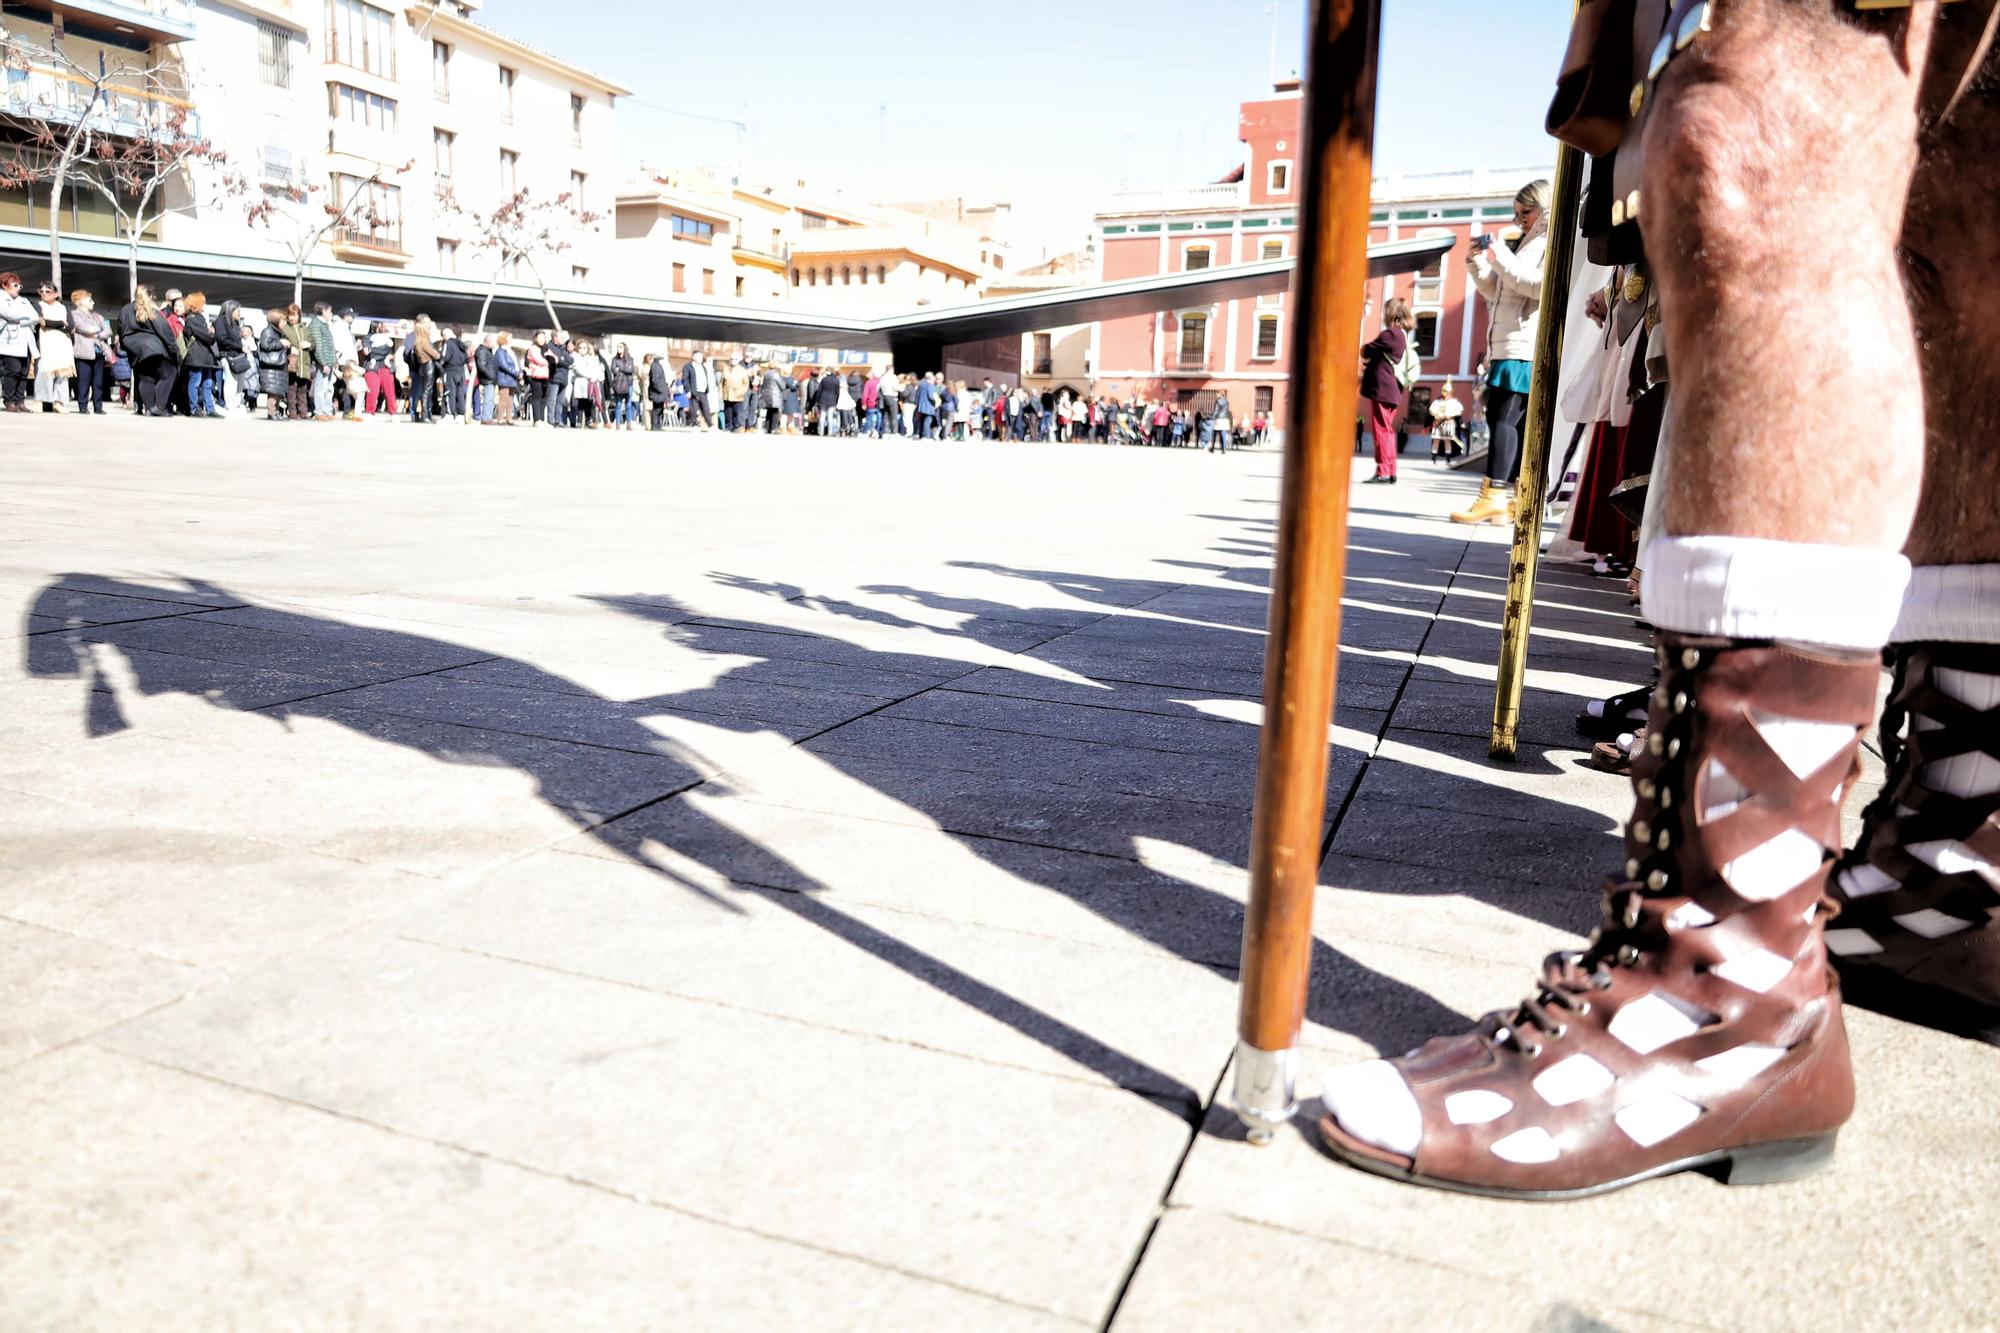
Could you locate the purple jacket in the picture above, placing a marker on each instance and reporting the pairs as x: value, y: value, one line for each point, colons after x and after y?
x: 1378, y: 370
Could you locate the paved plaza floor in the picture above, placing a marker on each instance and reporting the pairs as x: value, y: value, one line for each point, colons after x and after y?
x: 481, y: 879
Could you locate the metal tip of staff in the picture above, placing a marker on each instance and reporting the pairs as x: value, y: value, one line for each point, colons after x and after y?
x: 1261, y: 1094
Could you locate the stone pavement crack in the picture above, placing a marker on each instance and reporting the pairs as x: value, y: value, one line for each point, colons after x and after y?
x: 393, y: 680
x: 136, y: 620
x: 1160, y: 1209
x: 1389, y: 713
x: 1171, y: 1096
x: 582, y: 1182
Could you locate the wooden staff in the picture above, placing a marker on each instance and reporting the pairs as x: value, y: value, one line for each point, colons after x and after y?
x: 1329, y: 283
x: 1541, y: 421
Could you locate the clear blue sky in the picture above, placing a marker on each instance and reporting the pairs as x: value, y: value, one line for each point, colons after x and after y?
x: 1061, y: 98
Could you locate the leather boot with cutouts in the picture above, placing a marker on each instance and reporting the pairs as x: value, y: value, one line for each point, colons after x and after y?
x: 1919, y: 928
x: 1701, y: 1027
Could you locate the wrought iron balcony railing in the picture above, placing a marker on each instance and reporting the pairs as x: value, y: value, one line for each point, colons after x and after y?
x: 44, y: 92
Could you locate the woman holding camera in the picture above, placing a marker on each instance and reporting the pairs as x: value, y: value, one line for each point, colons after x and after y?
x: 1509, y: 276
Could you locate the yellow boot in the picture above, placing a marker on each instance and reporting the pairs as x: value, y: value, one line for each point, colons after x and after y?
x: 1494, y: 505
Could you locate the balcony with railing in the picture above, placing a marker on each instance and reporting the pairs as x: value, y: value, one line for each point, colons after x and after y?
x: 768, y: 252
x: 155, y: 20
x: 380, y: 245
x: 53, y: 94
x: 280, y: 168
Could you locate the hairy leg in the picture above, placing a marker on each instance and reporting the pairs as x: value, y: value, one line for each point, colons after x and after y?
x: 1951, y: 254
x: 1777, y: 165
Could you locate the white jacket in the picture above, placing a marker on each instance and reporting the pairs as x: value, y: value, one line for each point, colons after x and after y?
x: 1511, y: 282
x: 17, y: 326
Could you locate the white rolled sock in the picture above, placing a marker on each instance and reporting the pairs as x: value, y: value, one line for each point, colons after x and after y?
x: 1950, y: 604
x: 1754, y: 588
x: 1373, y: 1103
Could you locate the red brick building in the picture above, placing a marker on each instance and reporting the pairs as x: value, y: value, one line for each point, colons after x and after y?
x: 1242, y: 346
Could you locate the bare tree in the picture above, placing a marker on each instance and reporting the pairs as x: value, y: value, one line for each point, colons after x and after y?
x: 301, y: 216
x: 521, y: 230
x: 167, y: 171
x: 60, y: 110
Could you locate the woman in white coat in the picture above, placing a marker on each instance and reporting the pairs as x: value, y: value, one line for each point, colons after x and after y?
x: 18, y: 318
x: 55, y: 364
x: 1509, y: 275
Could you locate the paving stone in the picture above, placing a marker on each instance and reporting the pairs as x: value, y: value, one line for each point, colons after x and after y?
x: 1507, y: 846
x: 310, y: 647
x: 1015, y: 1184
x: 1359, y: 703
x: 83, y: 606
x: 1548, y: 717
x: 1464, y: 909
x: 137, y: 674
x: 1139, y: 1020
x: 56, y: 987
x: 360, y: 785
x: 185, y: 894
x: 557, y: 715
x: 1189, y: 733
x: 1161, y: 896
x: 1249, y: 1278
x: 1429, y: 771
x: 718, y: 683
x: 1026, y: 810
x: 1222, y: 779
x: 836, y: 652
x: 133, y: 1191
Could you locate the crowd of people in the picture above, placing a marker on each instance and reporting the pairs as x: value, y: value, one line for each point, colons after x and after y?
x: 178, y: 355
x: 860, y: 401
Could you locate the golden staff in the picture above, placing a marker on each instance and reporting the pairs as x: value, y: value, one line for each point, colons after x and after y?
x: 1302, y: 654
x: 1527, y: 553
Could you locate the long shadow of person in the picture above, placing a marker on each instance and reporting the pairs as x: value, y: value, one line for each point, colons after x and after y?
x: 349, y: 659
x: 411, y: 704
x: 988, y: 792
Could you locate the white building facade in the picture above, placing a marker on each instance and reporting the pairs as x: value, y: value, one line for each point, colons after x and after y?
x: 329, y: 98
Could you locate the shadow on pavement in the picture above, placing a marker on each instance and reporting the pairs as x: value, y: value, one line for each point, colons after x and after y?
x: 1210, y: 657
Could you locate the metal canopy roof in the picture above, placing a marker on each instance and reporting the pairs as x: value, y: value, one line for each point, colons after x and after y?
x: 99, y: 264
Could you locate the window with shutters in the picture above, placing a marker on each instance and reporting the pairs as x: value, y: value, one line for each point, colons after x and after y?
x: 1267, y: 338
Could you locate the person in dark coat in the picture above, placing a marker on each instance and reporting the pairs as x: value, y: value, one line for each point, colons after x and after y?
x: 560, y: 359
x: 771, y: 396
x: 659, y: 389
x: 1381, y: 390
x: 274, y: 358
x: 152, y: 349
x: 482, y: 366
x: 826, y: 397
x: 204, y: 384
x: 698, y: 378
x: 927, y: 407
x: 451, y: 355
x: 229, y: 357
x: 619, y: 371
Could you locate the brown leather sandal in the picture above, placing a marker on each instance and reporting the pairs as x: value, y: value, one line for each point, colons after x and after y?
x: 1701, y: 1028
x: 1919, y: 930
x: 1615, y: 756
